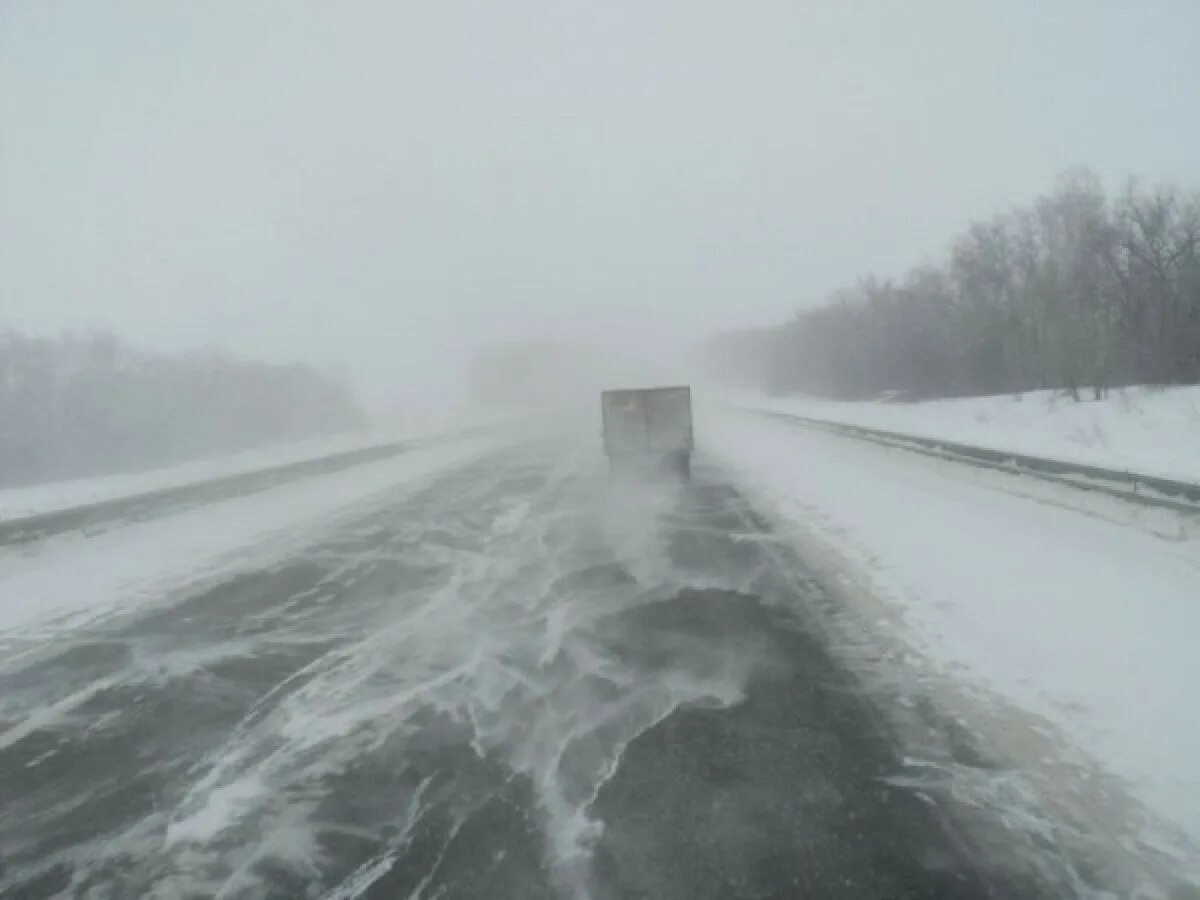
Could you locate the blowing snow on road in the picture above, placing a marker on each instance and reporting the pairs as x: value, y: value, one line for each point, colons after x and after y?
x: 509, y: 677
x: 599, y: 451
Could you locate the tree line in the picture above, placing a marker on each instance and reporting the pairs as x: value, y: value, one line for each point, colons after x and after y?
x: 75, y: 406
x: 1076, y: 289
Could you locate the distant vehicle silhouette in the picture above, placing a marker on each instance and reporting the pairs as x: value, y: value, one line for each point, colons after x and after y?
x: 649, y: 429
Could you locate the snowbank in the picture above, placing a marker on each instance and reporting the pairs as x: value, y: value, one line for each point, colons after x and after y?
x: 69, y: 581
x: 1143, y: 430
x: 53, y: 496
x: 1084, y: 623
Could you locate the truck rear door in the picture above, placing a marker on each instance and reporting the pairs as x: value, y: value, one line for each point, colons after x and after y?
x: 669, y: 411
x: 626, y: 422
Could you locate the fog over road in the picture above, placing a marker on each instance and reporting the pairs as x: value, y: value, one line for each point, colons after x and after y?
x: 523, y: 680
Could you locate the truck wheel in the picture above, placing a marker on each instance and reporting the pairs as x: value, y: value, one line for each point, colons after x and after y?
x: 683, y: 466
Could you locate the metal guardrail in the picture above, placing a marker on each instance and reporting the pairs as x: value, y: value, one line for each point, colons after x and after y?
x: 1151, y: 490
x: 151, y: 503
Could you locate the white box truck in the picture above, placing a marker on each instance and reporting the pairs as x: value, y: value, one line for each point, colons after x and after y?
x: 649, y: 429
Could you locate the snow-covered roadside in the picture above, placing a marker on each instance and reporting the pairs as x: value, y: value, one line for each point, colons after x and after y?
x: 1148, y: 431
x: 1083, y: 623
x: 72, y: 579
x: 59, y: 495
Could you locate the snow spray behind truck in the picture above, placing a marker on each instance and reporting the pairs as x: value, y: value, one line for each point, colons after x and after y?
x: 649, y: 429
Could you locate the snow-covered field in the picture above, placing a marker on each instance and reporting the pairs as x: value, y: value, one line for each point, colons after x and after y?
x: 1085, y: 625
x: 58, y: 495
x: 1143, y: 430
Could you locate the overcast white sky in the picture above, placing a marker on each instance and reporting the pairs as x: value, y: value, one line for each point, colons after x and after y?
x: 389, y: 184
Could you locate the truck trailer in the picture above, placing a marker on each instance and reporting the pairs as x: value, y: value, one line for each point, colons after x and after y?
x: 649, y: 429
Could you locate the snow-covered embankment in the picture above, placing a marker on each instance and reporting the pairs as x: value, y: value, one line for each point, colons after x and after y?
x: 1084, y: 625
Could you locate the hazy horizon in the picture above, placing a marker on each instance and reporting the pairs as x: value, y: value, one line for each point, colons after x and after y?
x: 389, y: 187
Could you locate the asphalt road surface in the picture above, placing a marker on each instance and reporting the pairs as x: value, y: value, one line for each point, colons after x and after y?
x: 526, y: 680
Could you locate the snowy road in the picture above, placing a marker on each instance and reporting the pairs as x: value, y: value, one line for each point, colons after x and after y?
x: 516, y: 679
x: 1057, y: 626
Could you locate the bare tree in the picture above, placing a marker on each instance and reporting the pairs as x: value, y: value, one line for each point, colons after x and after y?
x: 82, y: 405
x: 1069, y: 292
